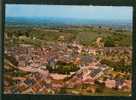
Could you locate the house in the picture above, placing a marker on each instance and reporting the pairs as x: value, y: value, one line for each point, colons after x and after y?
x: 127, y: 85
x: 110, y: 83
x: 22, y: 86
x: 30, y: 81
x: 56, y: 76
x: 56, y: 85
x: 85, y: 60
x: 77, y: 60
x: 88, y: 80
x: 36, y: 87
x: 44, y: 73
x: 95, y: 72
x: 119, y: 83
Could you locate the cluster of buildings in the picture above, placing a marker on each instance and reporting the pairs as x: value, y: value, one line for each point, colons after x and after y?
x: 40, y: 81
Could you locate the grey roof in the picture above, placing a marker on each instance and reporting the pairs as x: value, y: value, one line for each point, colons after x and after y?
x: 119, y: 82
x: 87, y: 59
x: 94, y: 72
x: 29, y: 82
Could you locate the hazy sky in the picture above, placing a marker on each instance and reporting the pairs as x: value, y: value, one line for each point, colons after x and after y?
x: 91, y: 12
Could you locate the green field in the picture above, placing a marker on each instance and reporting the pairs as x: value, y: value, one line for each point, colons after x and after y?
x: 84, y: 35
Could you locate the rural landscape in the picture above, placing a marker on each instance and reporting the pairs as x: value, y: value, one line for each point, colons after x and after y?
x: 59, y: 56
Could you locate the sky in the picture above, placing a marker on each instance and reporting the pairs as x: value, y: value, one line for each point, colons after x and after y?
x: 63, y: 11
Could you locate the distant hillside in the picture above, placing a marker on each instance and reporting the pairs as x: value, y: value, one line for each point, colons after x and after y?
x: 63, y: 22
x: 84, y: 35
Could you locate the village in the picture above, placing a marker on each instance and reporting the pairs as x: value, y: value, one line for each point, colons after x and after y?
x: 63, y: 68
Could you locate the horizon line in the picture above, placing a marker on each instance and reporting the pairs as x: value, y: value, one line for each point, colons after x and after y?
x: 65, y: 18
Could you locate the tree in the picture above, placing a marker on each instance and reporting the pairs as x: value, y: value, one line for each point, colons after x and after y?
x: 109, y: 42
